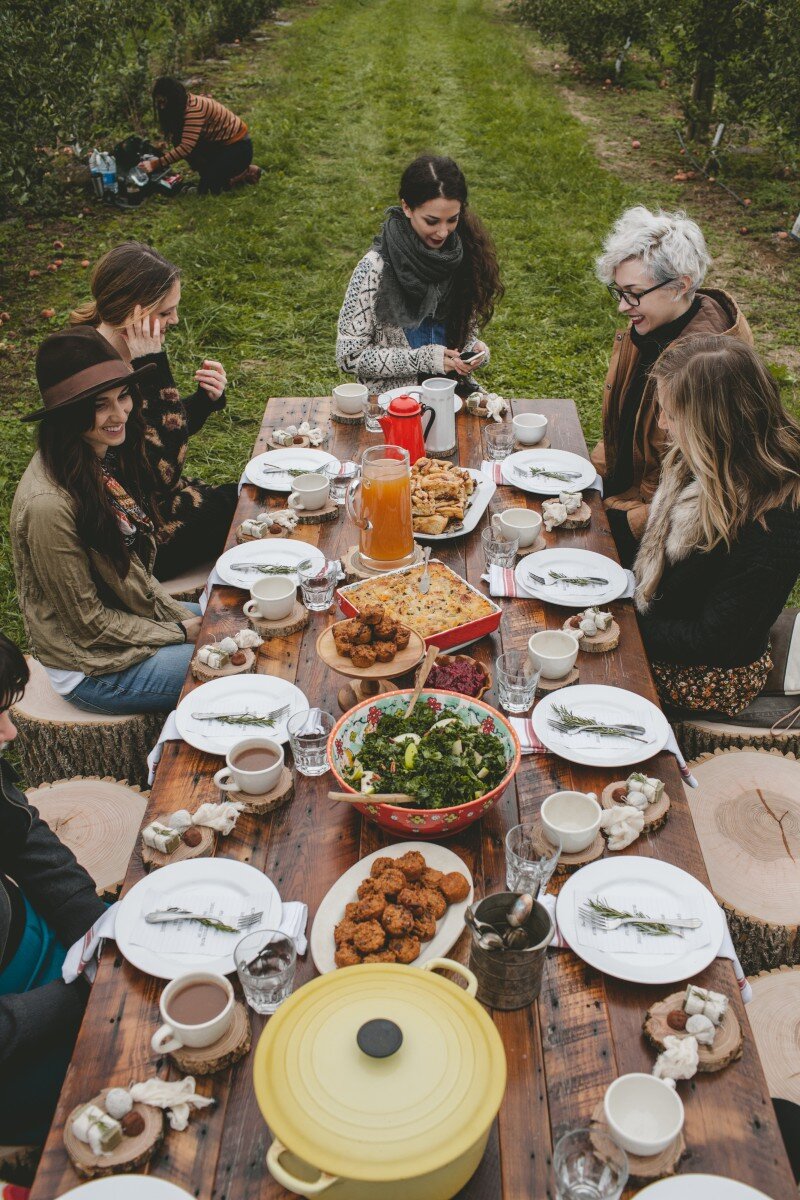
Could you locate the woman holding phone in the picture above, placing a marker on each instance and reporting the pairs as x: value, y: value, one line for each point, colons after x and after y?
x: 430, y: 281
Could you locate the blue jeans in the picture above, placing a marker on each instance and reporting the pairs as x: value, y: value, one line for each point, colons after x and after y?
x: 150, y: 686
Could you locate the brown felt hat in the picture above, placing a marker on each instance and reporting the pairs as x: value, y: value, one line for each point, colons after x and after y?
x: 78, y: 363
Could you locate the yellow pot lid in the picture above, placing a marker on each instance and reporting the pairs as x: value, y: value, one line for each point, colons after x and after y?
x: 347, y: 1111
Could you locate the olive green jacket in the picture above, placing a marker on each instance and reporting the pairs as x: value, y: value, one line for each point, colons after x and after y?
x: 79, y: 614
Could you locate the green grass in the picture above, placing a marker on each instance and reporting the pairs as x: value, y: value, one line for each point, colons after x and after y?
x: 338, y: 103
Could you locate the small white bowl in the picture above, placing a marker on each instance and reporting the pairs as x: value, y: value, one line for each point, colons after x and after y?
x: 529, y: 428
x: 644, y: 1114
x: 553, y: 652
x: 572, y: 818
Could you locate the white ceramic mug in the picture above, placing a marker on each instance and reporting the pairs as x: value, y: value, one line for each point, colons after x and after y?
x: 351, y: 397
x: 271, y: 598
x: 571, y: 818
x: 174, y: 1034
x: 233, y: 778
x: 644, y: 1114
x: 554, y: 652
x: 529, y: 428
x: 522, y: 523
x: 309, y: 492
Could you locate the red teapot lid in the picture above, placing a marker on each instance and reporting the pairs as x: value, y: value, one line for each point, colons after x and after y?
x: 404, y: 406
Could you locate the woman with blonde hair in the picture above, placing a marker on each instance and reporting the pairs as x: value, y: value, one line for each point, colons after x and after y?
x: 721, y: 551
x: 136, y: 293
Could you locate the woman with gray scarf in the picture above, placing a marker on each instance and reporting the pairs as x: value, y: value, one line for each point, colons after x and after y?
x: 418, y: 297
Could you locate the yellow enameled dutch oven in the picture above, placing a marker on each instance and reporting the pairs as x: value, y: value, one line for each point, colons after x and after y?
x: 380, y: 1082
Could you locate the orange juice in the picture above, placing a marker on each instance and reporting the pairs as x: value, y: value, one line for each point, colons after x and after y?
x: 386, y: 508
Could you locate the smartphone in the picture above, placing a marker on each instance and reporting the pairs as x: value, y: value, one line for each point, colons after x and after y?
x: 469, y: 356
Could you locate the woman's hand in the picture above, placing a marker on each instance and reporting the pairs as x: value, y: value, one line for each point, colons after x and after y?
x: 481, y: 350
x: 452, y: 362
x: 142, y: 336
x: 192, y: 627
x: 148, y: 165
x: 212, y: 378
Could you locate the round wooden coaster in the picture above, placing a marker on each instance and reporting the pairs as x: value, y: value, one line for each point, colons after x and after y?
x: 153, y: 859
x: 440, y: 453
x: 580, y: 519
x: 539, y: 544
x: 354, y: 568
x: 227, y: 1050
x: 656, y: 1166
x: 204, y: 673
x: 567, y: 862
x: 131, y: 1153
x: 258, y: 805
x: 552, y: 685
x: 343, y: 418
x: 241, y: 538
x: 301, y: 442
x: 319, y: 516
x: 728, y: 1040
x: 297, y: 619
x: 596, y: 643
x: 544, y: 444
x: 405, y: 660
x: 654, y: 815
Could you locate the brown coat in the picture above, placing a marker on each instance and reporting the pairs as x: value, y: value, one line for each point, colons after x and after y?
x: 718, y: 313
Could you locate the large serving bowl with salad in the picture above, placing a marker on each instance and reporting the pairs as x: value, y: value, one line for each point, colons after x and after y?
x: 454, y: 753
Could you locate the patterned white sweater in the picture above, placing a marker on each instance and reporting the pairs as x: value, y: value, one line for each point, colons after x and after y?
x: 379, y: 355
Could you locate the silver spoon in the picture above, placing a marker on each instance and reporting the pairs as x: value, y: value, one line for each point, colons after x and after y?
x: 487, y: 937
x: 520, y: 910
x: 516, y: 939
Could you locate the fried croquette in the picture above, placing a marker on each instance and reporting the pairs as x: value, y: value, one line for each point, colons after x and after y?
x: 347, y: 956
x: 454, y: 887
x: 405, y: 949
x: 397, y: 921
x: 369, y: 887
x: 409, y: 896
x: 381, y: 956
x: 350, y: 911
x: 432, y: 900
x: 412, y: 864
x: 371, y: 907
x: 384, y: 863
x: 424, y: 925
x: 430, y: 878
x: 369, y: 937
x: 344, y: 931
x: 391, y: 882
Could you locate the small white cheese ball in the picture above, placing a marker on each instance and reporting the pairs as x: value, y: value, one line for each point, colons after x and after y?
x: 118, y: 1103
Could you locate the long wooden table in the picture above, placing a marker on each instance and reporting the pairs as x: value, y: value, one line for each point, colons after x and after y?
x: 563, y: 1051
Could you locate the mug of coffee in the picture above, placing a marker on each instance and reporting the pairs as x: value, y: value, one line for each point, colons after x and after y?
x: 310, y: 492
x: 254, y: 766
x: 554, y: 652
x: 521, y: 523
x: 197, y: 1010
x: 272, y: 599
x: 351, y: 398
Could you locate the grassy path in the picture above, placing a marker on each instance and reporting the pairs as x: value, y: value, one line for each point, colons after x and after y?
x: 338, y: 103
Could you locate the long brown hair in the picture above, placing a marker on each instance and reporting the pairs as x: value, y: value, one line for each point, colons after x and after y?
x: 476, y: 286
x: 732, y: 433
x: 130, y: 274
x: 74, y: 466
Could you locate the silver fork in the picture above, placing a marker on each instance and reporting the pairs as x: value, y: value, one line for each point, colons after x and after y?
x: 609, y: 924
x: 590, y: 579
x: 424, y: 584
x: 257, y: 717
x: 563, y: 476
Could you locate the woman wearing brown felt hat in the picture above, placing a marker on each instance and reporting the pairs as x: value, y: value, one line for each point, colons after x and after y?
x: 83, y: 528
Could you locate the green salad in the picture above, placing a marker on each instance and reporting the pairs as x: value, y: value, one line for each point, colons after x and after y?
x: 436, y: 757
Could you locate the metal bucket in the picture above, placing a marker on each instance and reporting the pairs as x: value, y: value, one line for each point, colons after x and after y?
x: 510, y: 978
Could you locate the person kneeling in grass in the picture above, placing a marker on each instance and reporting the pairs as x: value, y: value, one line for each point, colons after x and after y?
x: 47, y: 902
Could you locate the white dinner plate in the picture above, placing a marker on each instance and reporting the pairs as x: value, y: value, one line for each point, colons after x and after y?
x: 127, y: 1187
x: 701, y: 1187
x: 278, y: 552
x: 292, y: 458
x: 331, y: 911
x: 227, y: 885
x: 386, y: 398
x: 601, y: 702
x: 631, y: 881
x: 253, y: 694
x: 551, y: 460
x: 477, y: 504
x: 574, y: 562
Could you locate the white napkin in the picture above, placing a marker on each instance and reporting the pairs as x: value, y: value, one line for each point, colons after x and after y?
x: 169, y: 733
x: 178, y: 1097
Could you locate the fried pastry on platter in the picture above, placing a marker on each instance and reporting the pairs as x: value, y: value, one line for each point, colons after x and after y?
x: 432, y: 525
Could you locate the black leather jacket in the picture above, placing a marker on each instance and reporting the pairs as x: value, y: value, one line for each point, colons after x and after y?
x: 64, y: 895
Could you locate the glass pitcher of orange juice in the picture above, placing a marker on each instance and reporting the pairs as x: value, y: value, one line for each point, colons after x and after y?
x: 386, y: 538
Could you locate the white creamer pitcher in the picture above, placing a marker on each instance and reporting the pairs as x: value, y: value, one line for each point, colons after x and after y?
x: 439, y: 394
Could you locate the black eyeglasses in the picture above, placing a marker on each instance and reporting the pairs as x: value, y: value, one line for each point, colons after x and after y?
x: 633, y: 298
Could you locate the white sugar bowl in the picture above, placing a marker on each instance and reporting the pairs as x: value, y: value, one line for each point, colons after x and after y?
x: 571, y: 818
x: 644, y: 1114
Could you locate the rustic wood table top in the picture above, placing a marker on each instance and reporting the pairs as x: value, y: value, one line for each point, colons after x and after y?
x: 586, y: 1028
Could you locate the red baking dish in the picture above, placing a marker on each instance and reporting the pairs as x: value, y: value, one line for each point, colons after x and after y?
x: 448, y: 639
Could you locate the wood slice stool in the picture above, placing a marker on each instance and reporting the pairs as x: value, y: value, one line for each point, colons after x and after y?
x: 57, y: 740
x: 746, y: 812
x: 99, y: 819
x: 190, y: 584
x: 697, y: 737
x: 774, y: 1014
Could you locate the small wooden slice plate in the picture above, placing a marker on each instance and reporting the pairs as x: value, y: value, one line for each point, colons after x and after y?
x: 567, y: 862
x: 227, y: 1050
x: 539, y: 544
x: 280, y: 532
x: 404, y: 660
x: 301, y: 442
x: 204, y: 673
x: 354, y: 568
x: 297, y: 619
x: 319, y: 516
x: 728, y: 1040
x: 343, y: 418
x: 153, y: 859
x: 596, y: 643
x: 264, y: 802
x: 544, y: 444
x: 131, y: 1153
x: 552, y: 685
x: 655, y: 1166
x: 440, y: 453
x: 580, y: 519
x: 654, y: 815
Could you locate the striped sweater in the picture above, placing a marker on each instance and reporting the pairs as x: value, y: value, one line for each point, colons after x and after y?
x: 204, y: 121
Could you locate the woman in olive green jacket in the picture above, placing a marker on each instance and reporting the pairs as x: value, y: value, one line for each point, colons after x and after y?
x: 83, y: 526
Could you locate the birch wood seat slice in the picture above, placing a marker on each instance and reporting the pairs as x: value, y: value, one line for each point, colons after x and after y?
x: 57, y: 740
x: 774, y: 1014
x: 188, y: 585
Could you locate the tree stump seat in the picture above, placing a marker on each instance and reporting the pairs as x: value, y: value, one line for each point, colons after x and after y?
x: 189, y: 584
x: 774, y: 1014
x: 696, y: 737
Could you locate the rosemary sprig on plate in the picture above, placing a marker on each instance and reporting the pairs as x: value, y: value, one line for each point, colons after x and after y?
x: 577, y: 580
x: 569, y: 722
x: 263, y: 722
x: 659, y: 928
x: 271, y: 568
x: 563, y: 476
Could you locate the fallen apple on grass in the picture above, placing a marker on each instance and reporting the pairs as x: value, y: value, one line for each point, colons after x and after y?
x: 47, y: 313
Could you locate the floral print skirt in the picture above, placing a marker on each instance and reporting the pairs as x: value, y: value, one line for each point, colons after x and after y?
x: 728, y: 690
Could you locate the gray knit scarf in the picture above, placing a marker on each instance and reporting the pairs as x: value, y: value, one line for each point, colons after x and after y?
x: 415, y: 282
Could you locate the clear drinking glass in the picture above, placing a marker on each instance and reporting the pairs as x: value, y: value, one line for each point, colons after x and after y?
x: 589, y: 1165
x: 530, y: 862
x: 341, y: 477
x: 372, y: 415
x: 265, y: 962
x: 317, y: 585
x: 499, y: 550
x: 498, y: 441
x: 308, y: 737
x: 517, y: 678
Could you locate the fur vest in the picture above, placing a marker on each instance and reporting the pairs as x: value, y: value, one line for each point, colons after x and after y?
x: 673, y: 532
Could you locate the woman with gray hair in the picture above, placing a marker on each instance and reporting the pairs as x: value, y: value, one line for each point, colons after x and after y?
x: 653, y: 265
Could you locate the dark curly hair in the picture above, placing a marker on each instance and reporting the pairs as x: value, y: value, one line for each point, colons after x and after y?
x: 14, y: 673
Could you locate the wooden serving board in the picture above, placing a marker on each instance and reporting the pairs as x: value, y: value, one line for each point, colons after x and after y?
x: 203, y: 673
x: 405, y: 660
x: 654, y: 815
x: 728, y: 1040
x: 129, y: 1155
x: 655, y: 1166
